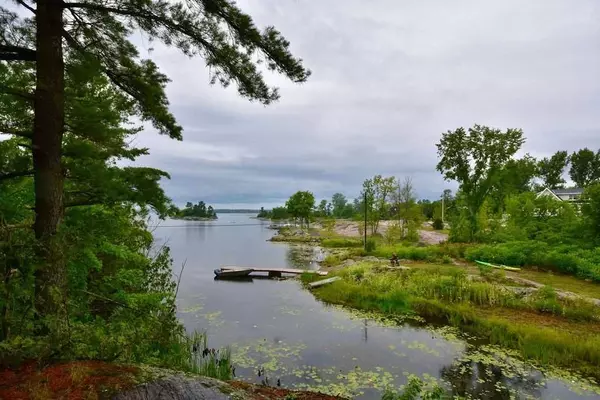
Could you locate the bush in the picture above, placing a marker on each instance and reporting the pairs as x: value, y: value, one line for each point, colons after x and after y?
x: 341, y: 242
x: 566, y: 259
x: 438, y: 224
x: 371, y: 245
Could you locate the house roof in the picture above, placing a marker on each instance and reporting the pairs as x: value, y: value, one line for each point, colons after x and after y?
x: 549, y: 193
x: 567, y: 191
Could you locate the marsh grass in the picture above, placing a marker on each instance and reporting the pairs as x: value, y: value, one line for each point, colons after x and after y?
x: 447, y: 295
x: 188, y: 354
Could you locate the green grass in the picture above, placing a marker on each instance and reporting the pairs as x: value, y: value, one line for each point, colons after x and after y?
x: 562, y: 282
x: 445, y: 294
x: 572, y: 260
x: 339, y: 256
x: 295, y: 239
x: 341, y: 242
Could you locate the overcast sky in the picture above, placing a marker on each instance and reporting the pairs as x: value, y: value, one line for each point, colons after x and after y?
x: 388, y: 78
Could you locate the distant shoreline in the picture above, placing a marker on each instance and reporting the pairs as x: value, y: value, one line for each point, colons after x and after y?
x: 196, y: 218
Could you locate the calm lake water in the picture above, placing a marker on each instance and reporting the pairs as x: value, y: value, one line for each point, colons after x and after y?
x: 281, y: 328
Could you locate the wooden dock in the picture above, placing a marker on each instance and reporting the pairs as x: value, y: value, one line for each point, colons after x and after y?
x: 278, y: 272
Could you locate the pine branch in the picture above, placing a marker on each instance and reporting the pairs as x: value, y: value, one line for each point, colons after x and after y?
x: 9, y: 131
x: 16, y: 92
x: 16, y: 53
x: 17, y: 174
x: 27, y: 6
x: 144, y: 15
x: 82, y: 203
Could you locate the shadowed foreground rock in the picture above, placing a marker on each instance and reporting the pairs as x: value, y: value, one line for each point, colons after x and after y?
x: 180, y: 387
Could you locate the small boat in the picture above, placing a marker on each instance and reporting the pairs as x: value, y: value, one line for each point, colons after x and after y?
x: 233, y: 273
x: 487, y: 264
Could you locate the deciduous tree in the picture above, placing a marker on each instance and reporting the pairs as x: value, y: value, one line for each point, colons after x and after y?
x: 407, y: 210
x: 517, y: 176
x: 377, y: 192
x: 475, y: 158
x: 339, y: 202
x: 551, y: 170
x: 300, y: 206
x: 585, y: 167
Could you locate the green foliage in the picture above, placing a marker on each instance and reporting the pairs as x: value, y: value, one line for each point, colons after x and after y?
x: 300, y: 206
x: 377, y: 192
x: 199, y: 210
x: 262, y: 213
x: 591, y: 212
x: 323, y: 210
x: 340, y: 206
x: 551, y: 170
x: 393, y: 233
x: 341, y: 242
x: 407, y: 211
x: 531, y: 217
x: 516, y: 177
x: 566, y: 259
x: 585, y: 167
x: 438, y: 224
x: 448, y: 295
x: 371, y: 245
x: 476, y: 159
x: 415, y: 390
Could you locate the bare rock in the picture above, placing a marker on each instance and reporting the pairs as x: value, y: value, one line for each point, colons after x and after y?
x: 181, y: 387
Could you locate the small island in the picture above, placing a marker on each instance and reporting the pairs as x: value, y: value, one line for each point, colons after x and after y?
x: 196, y: 212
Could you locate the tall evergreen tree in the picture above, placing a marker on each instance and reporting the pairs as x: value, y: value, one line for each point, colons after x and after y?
x: 97, y: 32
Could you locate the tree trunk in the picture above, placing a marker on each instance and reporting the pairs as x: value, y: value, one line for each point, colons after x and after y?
x: 47, y: 141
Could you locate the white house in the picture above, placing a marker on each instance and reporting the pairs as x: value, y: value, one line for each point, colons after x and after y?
x: 570, y: 194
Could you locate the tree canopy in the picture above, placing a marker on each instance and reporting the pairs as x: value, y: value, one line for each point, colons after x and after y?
x: 476, y: 158
x: 551, y: 170
x: 585, y: 167
x: 200, y: 210
x: 300, y: 206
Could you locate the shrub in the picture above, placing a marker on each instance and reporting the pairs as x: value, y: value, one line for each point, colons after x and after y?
x: 438, y: 224
x: 567, y: 259
x: 341, y: 242
x: 371, y: 245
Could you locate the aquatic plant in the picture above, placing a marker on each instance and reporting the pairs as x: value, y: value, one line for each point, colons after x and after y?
x: 447, y: 295
x: 415, y: 389
x: 193, y: 355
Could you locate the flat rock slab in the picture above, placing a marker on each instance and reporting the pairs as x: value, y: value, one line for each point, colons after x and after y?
x: 179, y: 387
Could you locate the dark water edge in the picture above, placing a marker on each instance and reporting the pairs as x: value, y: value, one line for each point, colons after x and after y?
x: 278, y: 327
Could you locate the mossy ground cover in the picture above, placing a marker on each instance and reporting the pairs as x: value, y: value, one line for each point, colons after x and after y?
x: 541, y: 327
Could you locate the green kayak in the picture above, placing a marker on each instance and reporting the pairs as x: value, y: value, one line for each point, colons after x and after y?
x: 497, y: 266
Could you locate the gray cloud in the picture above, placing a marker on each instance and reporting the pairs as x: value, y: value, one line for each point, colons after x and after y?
x: 388, y: 78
